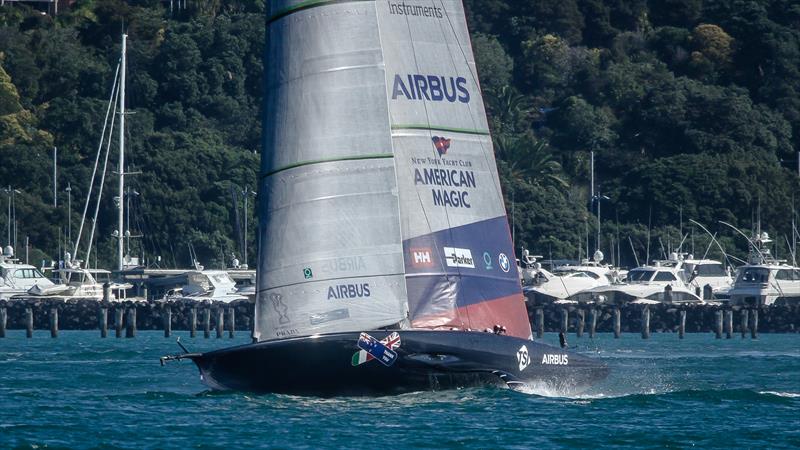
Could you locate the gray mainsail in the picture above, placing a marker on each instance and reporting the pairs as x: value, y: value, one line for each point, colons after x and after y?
x: 380, y: 200
x: 331, y: 254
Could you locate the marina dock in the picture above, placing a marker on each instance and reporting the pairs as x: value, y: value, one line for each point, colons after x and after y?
x: 217, y: 319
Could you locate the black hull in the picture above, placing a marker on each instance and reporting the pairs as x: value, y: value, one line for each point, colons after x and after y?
x: 426, y: 360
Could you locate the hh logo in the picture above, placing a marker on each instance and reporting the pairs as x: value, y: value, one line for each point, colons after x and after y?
x: 441, y: 144
x: 523, y: 358
x: 421, y: 257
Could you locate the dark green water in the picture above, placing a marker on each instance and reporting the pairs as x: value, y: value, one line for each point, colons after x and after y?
x: 80, y: 391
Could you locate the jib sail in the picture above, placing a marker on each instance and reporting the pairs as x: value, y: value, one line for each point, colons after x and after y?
x: 459, y: 260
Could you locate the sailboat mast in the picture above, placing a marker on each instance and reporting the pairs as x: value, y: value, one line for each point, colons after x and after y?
x: 121, y: 216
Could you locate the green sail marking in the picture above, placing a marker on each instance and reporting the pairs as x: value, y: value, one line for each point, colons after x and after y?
x: 438, y: 128
x: 306, y: 5
x: 322, y: 161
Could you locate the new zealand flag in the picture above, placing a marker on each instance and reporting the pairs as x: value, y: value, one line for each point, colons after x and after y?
x: 441, y: 144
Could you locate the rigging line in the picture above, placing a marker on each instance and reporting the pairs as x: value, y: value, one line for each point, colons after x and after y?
x: 422, y: 205
x: 111, y: 101
x: 484, y: 151
x: 100, y: 188
x: 406, y: 320
x: 714, y: 240
x: 489, y: 164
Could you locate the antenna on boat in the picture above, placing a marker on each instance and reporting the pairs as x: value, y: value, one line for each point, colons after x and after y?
x: 649, y: 224
x: 749, y: 240
x: 680, y: 224
x: 121, y: 216
x: 633, y: 250
x: 713, y: 240
x: 794, y: 261
x: 794, y: 218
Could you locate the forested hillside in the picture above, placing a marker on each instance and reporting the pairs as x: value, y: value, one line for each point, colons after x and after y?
x: 692, y: 109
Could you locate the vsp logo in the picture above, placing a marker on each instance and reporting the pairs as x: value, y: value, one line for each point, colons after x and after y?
x: 523, y: 358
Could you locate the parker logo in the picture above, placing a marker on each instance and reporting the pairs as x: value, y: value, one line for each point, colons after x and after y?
x: 459, y: 257
x: 523, y: 358
x: 421, y: 257
x: 560, y: 360
x: 442, y: 144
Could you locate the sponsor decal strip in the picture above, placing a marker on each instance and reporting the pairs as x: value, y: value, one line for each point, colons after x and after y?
x: 323, y: 161
x: 440, y: 128
x: 306, y: 5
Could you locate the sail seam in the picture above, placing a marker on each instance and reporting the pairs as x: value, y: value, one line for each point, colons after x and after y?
x: 323, y: 161
x: 306, y: 5
x: 440, y: 128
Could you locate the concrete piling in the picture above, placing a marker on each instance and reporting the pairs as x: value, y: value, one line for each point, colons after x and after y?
x: 754, y: 324
x: 167, y: 319
x: 3, y: 320
x: 581, y: 322
x: 592, y: 322
x: 207, y: 322
x: 193, y: 322
x: 744, y: 323
x: 682, y: 324
x: 231, y: 321
x: 220, y: 321
x: 29, y: 322
x: 728, y: 323
x: 118, y: 311
x: 130, y: 322
x: 646, y: 323
x: 617, y: 322
x: 53, y: 322
x: 539, y: 323
x: 718, y: 324
x: 102, y: 321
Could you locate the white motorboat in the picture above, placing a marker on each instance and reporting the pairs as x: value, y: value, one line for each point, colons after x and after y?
x: 665, y: 283
x: 567, y: 280
x: 207, y: 285
x: 700, y: 273
x: 77, y: 282
x: 765, y: 281
x: 17, y: 278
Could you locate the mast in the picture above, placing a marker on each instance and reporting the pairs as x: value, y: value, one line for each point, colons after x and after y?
x: 121, y: 216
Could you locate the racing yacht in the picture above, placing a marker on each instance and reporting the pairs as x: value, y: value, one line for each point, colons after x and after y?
x: 385, y: 258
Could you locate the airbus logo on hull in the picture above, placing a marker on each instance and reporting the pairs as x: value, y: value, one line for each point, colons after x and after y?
x: 433, y: 88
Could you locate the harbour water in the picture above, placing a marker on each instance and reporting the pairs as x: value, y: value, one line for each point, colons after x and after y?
x: 80, y: 391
